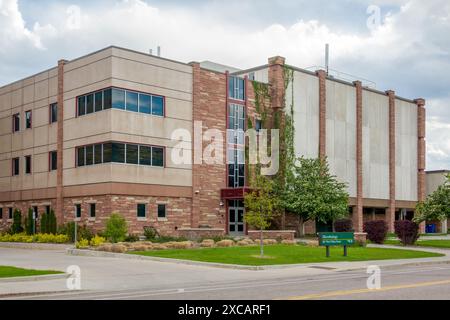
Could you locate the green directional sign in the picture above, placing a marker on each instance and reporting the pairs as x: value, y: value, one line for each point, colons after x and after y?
x: 329, y: 239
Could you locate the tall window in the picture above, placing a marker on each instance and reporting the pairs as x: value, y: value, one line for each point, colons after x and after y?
x: 141, y: 210
x: 48, y: 209
x: 53, y: 112
x: 1, y: 213
x: 28, y: 165
x: 120, y: 153
x: 53, y: 158
x: 236, y: 146
x: 10, y: 213
x: 16, y: 122
x: 120, y: 99
x: 236, y: 88
x: 28, y: 119
x: 78, y: 211
x: 35, y: 211
x: 15, y: 166
x: 162, y: 211
x: 92, y: 210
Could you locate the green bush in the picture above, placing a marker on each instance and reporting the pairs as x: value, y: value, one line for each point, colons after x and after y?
x: 29, y: 223
x: 150, y: 233
x: 48, y: 223
x: 116, y: 228
x: 83, y: 232
x: 37, y: 238
x: 17, y: 222
x: 132, y: 238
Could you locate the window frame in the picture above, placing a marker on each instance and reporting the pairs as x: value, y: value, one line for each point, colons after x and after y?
x: 126, y: 144
x: 15, y: 167
x: 52, y: 112
x: 78, y: 206
x: 159, y: 205
x: 126, y: 91
x: 50, y: 161
x: 29, y: 122
x: 16, y: 126
x: 92, y: 205
x: 145, y: 210
x: 26, y: 164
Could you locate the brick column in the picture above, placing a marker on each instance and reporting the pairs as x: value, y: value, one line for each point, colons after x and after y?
x: 322, y: 113
x: 390, y: 212
x: 60, y: 145
x: 421, y: 150
x: 358, y: 212
x: 197, y: 154
x: 278, y: 93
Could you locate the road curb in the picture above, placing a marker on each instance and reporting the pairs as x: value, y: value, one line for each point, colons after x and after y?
x: 102, y: 254
x: 36, y: 278
x: 34, y: 246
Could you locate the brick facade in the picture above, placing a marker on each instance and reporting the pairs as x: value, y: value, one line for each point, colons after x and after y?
x: 358, y: 210
x: 322, y: 113
x: 390, y: 212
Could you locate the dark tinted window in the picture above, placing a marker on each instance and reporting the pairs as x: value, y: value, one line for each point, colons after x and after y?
x: 98, y: 154
x: 132, y: 101
x: 92, y: 209
x: 80, y: 157
x: 145, y: 103
x: 78, y: 210
x: 89, y: 155
x: 132, y: 154
x: 81, y: 106
x: 53, y: 161
x: 157, y: 157
x: 141, y: 208
x: 16, y: 167
x: 16, y: 122
x: 158, y: 106
x: 161, y: 210
x: 107, y: 99
x: 118, y: 99
x: 53, y: 112
x: 90, y: 104
x: 145, y: 156
x: 10, y: 213
x: 28, y: 164
x: 1, y: 213
x: 118, y: 152
x: 28, y: 119
x: 107, y: 152
x: 99, y: 101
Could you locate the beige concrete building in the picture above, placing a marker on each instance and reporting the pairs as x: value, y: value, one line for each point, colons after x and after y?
x: 95, y: 135
x: 434, y: 180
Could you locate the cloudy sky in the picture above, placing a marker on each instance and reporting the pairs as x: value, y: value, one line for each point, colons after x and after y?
x: 407, y: 48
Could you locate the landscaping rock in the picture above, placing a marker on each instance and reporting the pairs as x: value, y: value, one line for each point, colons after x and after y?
x: 225, y: 243
x: 289, y: 242
x: 118, y: 248
x: 269, y: 242
x: 158, y: 246
x: 207, y: 243
x: 141, y: 247
x: 179, y: 245
x: 246, y: 242
x: 107, y: 247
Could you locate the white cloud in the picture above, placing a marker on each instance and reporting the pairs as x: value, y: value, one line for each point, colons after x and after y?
x: 409, y: 52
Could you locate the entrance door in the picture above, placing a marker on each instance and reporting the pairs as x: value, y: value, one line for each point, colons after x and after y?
x: 236, y: 218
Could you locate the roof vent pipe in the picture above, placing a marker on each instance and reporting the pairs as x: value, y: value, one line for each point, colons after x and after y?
x: 159, y: 51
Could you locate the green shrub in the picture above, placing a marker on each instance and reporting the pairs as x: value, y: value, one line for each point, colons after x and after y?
x: 132, y: 238
x: 17, y: 222
x: 116, y: 228
x: 150, y: 233
x: 97, y: 241
x: 82, y: 244
x: 52, y: 222
x: 38, y: 238
x: 44, y: 223
x: 29, y: 223
x: 83, y: 232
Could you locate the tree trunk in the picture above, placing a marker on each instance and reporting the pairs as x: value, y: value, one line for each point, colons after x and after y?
x: 261, y: 242
x: 300, y: 227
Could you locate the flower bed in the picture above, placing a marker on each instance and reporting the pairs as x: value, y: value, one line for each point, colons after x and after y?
x: 37, y: 238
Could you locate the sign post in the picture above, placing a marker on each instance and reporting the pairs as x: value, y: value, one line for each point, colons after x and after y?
x: 334, y: 239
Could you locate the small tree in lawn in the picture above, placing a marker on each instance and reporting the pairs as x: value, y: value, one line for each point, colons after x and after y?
x: 313, y: 193
x: 261, y: 205
x: 436, y: 206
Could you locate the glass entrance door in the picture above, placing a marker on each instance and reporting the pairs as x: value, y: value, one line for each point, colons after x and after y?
x: 236, y: 218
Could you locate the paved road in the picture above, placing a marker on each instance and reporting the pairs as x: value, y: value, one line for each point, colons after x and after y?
x: 106, y: 278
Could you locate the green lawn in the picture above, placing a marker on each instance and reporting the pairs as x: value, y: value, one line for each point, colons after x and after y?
x: 424, y: 243
x: 11, y: 272
x: 281, y: 254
